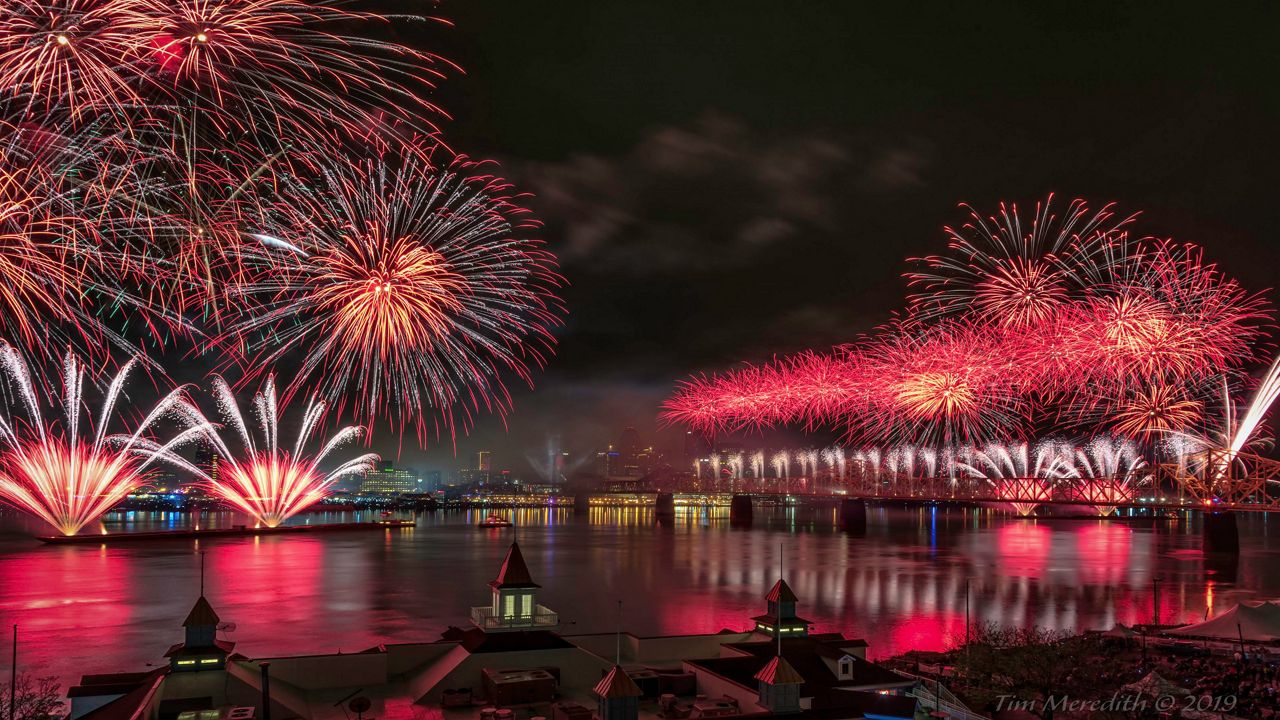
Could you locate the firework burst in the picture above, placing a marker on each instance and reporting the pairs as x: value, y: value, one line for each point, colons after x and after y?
x: 1007, y: 271
x: 266, y: 481
x: 65, y: 477
x: 72, y: 53
x: 411, y: 284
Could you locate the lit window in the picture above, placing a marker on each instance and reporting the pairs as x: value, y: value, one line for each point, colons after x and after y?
x: 208, y: 661
x: 509, y: 606
x: 526, y: 606
x: 186, y: 662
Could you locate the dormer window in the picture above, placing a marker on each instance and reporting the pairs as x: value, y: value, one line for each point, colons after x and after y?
x: 846, y: 668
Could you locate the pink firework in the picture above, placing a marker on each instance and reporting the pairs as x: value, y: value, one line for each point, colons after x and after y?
x: 269, y: 482
x: 1008, y: 272
x: 67, y: 476
x: 72, y: 53
x: 948, y: 384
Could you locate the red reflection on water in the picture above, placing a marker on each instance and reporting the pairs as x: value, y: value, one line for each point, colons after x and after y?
x: 934, y: 633
x: 69, y: 603
x: 1024, y: 548
x: 1104, y: 552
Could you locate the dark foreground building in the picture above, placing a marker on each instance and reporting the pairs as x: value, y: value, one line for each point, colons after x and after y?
x: 513, y: 665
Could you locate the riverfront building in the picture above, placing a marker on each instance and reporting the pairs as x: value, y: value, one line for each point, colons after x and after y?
x: 386, y: 479
x: 514, y: 663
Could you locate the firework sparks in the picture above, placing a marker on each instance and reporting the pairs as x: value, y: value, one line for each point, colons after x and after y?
x: 1008, y: 272
x: 269, y: 482
x: 410, y: 283
x: 70, y: 479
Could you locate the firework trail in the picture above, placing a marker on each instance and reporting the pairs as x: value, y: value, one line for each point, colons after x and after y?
x: 66, y: 477
x: 404, y: 287
x: 836, y: 462
x: 757, y: 465
x: 735, y: 465
x: 781, y: 463
x: 267, y: 481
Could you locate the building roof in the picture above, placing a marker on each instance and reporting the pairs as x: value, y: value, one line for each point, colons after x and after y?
x: 779, y: 672
x: 127, y: 705
x: 806, y: 657
x: 775, y: 620
x: 781, y: 592
x: 617, y: 684
x: 475, y: 640
x: 514, y: 572
x: 201, y: 614
x: 219, y: 647
x: 837, y: 703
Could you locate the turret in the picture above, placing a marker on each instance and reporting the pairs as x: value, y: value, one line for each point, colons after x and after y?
x: 619, y: 697
x: 779, y: 685
x: 781, y: 619
x: 201, y: 649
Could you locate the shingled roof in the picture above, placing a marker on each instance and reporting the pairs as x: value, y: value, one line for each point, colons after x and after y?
x: 779, y: 672
x: 201, y: 615
x: 781, y: 592
x: 514, y: 572
x: 617, y: 684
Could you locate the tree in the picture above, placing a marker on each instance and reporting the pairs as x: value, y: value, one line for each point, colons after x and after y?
x: 1031, y: 664
x: 36, y: 699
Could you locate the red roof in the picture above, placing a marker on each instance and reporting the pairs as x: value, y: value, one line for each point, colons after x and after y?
x: 201, y: 615
x: 514, y: 573
x: 617, y: 684
x: 779, y: 672
x: 781, y: 592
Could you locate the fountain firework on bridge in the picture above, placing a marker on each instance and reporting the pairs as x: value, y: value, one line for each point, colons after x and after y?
x: 1102, y: 473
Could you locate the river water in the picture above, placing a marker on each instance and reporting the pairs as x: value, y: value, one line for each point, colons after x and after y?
x: 902, y: 585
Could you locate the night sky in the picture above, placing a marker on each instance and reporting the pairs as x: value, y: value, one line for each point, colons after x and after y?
x: 724, y: 181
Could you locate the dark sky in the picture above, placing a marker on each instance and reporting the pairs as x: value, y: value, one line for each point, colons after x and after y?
x: 726, y: 180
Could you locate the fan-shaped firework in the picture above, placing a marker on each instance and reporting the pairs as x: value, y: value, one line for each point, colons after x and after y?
x: 411, y: 285
x: 266, y: 481
x: 69, y: 479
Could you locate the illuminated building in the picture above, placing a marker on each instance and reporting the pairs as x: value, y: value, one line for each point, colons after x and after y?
x: 386, y: 479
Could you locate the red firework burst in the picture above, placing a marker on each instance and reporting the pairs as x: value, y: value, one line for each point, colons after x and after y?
x: 1008, y: 273
x: 407, y: 286
x: 949, y: 384
x: 73, y: 53
x: 285, y: 58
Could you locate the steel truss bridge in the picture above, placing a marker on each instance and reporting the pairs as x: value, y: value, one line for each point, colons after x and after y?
x: 1217, y: 479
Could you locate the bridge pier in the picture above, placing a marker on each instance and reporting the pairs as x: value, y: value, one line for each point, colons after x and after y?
x: 1221, y: 534
x: 853, y: 515
x: 665, y: 505
x: 740, y: 510
x: 582, y: 504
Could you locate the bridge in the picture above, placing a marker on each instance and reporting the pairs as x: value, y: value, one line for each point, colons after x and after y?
x: 1217, y: 482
